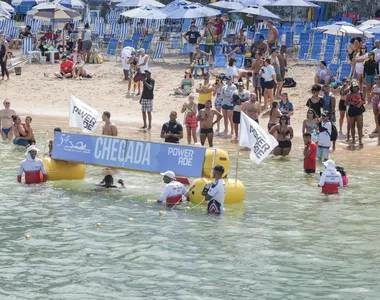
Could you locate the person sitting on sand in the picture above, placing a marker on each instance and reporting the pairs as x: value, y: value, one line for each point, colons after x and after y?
x: 187, y: 85
x: 78, y: 69
x: 109, y: 128
x: 6, y: 121
x: 323, y: 75
x: 206, y: 122
x: 284, y: 136
x: 107, y: 183
x: 65, y: 69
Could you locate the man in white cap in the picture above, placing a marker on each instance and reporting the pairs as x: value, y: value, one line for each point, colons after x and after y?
x: 331, y: 179
x: 173, y: 191
x: 32, y: 167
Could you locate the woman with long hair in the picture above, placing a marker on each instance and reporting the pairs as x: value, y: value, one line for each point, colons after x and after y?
x: 274, y: 115
x: 355, y: 103
x: 310, y: 125
x: 284, y: 137
x: 187, y: 85
x: 360, y: 57
x: 269, y: 74
x: 344, y: 89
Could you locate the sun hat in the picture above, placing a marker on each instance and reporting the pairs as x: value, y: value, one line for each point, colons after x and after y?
x: 330, y: 164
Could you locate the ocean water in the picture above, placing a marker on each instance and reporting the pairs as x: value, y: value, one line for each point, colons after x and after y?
x: 286, y: 241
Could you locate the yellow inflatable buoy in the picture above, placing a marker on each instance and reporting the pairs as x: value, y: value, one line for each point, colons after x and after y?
x: 63, y: 170
x: 221, y: 158
x: 235, y: 191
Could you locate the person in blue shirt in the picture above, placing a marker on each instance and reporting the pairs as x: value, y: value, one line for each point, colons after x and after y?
x: 329, y: 102
x: 286, y: 107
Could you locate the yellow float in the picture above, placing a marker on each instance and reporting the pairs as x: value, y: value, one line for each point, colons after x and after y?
x: 63, y: 170
x: 215, y: 157
x: 235, y: 192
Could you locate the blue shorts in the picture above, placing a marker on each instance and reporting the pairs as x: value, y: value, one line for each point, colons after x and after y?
x: 323, y: 152
x: 21, y: 142
x: 6, y: 130
x: 214, y: 207
x: 370, y: 79
x: 227, y: 107
x: 218, y: 102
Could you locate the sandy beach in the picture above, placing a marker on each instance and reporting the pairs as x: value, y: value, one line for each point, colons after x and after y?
x: 38, y: 93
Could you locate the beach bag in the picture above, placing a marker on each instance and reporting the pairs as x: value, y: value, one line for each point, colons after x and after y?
x: 289, y: 82
x: 334, y: 133
x: 138, y: 77
x: 99, y: 58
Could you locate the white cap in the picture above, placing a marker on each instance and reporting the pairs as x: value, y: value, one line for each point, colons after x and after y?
x: 30, y: 148
x: 169, y: 174
x: 330, y: 164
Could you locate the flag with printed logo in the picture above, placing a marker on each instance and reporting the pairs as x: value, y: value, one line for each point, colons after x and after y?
x: 82, y: 116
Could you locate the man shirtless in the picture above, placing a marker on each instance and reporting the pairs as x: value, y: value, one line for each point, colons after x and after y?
x: 252, y: 108
x: 6, y: 121
x: 109, y: 128
x: 247, y: 74
x: 256, y: 77
x: 206, y: 122
x: 272, y: 35
x: 259, y: 46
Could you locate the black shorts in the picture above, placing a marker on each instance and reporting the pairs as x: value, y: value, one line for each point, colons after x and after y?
x: 285, y: 144
x: 201, y: 106
x: 269, y: 84
x: 214, y: 207
x: 236, y: 117
x: 207, y: 130
x: 309, y: 171
x: 354, y: 111
x: 342, y: 107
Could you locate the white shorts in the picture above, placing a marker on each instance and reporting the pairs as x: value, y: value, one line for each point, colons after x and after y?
x: 191, y: 48
x: 125, y: 64
x: 359, y: 69
x: 323, y: 152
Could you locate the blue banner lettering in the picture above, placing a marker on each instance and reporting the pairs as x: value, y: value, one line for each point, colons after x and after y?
x: 129, y: 154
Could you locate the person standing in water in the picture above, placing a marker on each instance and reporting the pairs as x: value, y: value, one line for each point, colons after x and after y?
x: 310, y: 154
x: 215, y: 194
x: 324, y: 141
x: 284, y: 136
x: 173, y: 191
x: 206, y: 122
x: 331, y: 179
x: 109, y: 128
x: 6, y: 121
x: 252, y: 108
x: 32, y: 167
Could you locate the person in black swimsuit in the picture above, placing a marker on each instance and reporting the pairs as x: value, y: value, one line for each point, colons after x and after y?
x: 284, y: 135
x: 315, y: 102
x: 3, y: 56
x: 343, y: 91
x: 355, y: 103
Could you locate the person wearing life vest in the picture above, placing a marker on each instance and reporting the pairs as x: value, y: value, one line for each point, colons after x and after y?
x: 215, y: 194
x: 331, y: 179
x: 32, y: 167
x: 173, y: 191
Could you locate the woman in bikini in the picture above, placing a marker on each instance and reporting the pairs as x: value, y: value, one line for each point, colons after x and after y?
x: 29, y: 131
x: 284, y: 137
x: 187, y: 85
x: 343, y: 91
x: 355, y: 103
x: 274, y: 115
x: 21, y: 136
x: 310, y: 125
x: 190, y: 110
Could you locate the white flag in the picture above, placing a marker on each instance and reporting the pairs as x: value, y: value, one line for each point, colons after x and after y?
x: 83, y: 116
x: 253, y: 136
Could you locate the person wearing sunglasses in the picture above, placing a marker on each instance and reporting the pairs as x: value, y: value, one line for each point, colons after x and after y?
x: 284, y: 136
x: 6, y: 121
x: 359, y: 66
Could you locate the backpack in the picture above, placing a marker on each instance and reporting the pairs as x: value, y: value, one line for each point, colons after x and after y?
x: 289, y: 82
x: 334, y: 133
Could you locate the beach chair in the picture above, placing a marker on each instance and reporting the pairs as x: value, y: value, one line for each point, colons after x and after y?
x: 334, y: 69
x: 111, y: 49
x: 298, y: 29
x: 113, y: 16
x: 76, y: 25
x: 36, y: 25
x: 158, y: 51
x: 264, y: 32
x: 123, y: 31
x: 238, y: 25
x: 186, y: 25
x: 226, y: 30
x: 287, y: 27
x: 289, y: 39
x: 101, y: 30
x: 342, y: 55
x: 345, y: 71
x: 330, y: 39
x: 28, y: 20
x: 218, y: 48
x: 316, y: 52
x: 304, y: 38
x: 309, y: 25
x: 127, y: 43
x: 113, y: 29
x: 317, y: 37
x: 136, y: 40
x: 185, y: 50
x: 220, y: 60
x: 250, y: 33
x: 303, y: 52
x: 175, y: 43
x: 330, y: 47
x: 27, y: 49
x: 205, y: 66
x: 328, y: 56
x: 239, y: 60
x: 147, y: 41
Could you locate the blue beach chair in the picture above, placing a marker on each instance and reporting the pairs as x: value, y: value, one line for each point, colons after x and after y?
x: 111, y: 49
x: 158, y: 51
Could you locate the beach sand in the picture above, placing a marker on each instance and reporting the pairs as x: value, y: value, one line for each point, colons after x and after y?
x: 38, y: 93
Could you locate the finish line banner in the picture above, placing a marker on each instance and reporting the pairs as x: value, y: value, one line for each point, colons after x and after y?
x: 129, y: 154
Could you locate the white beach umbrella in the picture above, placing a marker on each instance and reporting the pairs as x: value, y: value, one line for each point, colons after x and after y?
x: 228, y: 4
x: 174, y: 5
x: 74, y: 4
x: 53, y: 12
x: 4, y: 14
x: 368, y: 24
x: 137, y: 3
x: 256, y: 2
x: 340, y: 28
x: 259, y: 11
x: 324, y: 1
x: 291, y: 4
x: 193, y: 10
x: 145, y: 12
x: 7, y: 7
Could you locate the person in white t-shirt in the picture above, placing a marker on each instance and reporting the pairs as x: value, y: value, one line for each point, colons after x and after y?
x: 173, y: 191
x: 215, y: 194
x: 324, y: 140
x: 269, y: 74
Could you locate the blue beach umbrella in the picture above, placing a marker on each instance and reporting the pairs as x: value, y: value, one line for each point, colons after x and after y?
x: 27, y: 2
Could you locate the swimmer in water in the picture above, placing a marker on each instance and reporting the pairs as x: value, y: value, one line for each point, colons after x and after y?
x: 107, y: 183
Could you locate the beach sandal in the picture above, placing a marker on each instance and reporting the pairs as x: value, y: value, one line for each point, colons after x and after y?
x: 80, y: 77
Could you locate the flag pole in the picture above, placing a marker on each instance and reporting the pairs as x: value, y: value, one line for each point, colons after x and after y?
x: 237, y: 165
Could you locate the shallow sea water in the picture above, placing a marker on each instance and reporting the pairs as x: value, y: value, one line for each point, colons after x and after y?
x: 286, y: 241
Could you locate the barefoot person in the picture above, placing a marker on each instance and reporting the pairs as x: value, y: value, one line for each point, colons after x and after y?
x: 6, y: 121
x: 284, y: 136
x: 191, y: 122
x: 146, y: 100
x: 32, y: 167
x: 173, y: 191
x: 4, y: 49
x: 252, y: 108
x: 109, y: 128
x: 272, y: 35
x: 238, y: 98
x: 172, y: 131
x: 78, y: 69
x: 65, y: 69
x: 215, y: 194
x: 256, y: 66
x: 310, y: 154
x: 355, y: 103
x: 206, y: 122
